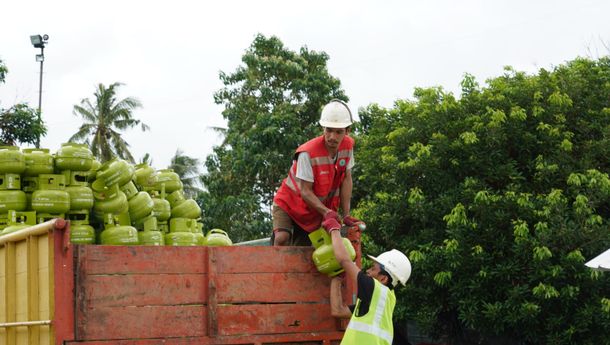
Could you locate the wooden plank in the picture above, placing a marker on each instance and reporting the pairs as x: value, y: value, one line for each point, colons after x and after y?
x: 164, y: 341
x: 142, y: 259
x: 141, y: 322
x: 100, y: 291
x: 274, y: 318
x: 33, y: 289
x: 317, y: 338
x: 264, y: 259
x: 212, y: 264
x: 10, y: 292
x: 61, y: 283
x: 272, y: 288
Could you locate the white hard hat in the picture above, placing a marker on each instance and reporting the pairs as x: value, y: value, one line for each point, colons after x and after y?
x: 336, y: 114
x: 396, y: 264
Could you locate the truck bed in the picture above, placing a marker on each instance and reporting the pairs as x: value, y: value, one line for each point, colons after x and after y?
x: 161, y: 295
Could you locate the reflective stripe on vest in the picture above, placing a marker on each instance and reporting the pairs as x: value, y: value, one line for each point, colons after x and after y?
x: 374, y: 333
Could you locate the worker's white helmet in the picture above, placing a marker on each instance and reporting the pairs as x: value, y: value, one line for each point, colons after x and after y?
x: 336, y: 114
x: 396, y: 264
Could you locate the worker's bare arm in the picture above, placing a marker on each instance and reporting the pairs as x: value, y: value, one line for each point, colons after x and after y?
x: 310, y: 198
x: 351, y: 270
x: 337, y: 307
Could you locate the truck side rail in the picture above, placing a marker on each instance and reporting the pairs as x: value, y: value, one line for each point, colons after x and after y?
x: 29, y: 261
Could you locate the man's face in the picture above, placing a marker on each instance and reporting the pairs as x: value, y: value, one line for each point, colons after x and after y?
x: 334, y: 136
x: 375, y: 272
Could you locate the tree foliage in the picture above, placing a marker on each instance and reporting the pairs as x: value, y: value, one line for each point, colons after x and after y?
x: 188, y: 169
x: 104, y: 120
x: 19, y: 124
x: 272, y: 104
x: 498, y: 197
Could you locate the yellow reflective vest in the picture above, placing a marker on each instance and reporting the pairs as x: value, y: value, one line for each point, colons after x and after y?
x: 375, y: 327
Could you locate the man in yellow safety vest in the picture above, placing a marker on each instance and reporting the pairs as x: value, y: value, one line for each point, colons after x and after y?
x: 371, y: 317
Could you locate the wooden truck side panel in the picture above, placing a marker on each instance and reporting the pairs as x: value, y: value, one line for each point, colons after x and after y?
x: 212, y: 295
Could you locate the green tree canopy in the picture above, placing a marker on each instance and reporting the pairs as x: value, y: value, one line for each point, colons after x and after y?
x: 272, y: 104
x: 19, y: 123
x: 104, y: 120
x: 498, y: 198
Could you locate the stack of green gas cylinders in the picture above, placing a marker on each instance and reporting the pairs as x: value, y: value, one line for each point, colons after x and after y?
x: 114, y: 203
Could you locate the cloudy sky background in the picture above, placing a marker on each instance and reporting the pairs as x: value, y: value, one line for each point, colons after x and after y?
x: 169, y: 54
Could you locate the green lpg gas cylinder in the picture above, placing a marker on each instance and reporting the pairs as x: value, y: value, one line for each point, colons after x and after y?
x: 179, y: 239
x: 10, y: 181
x: 51, y: 201
x: 151, y: 238
x: 29, y: 184
x: 119, y: 235
x: 82, y: 234
x: 81, y: 197
x: 114, y: 203
x: 73, y: 156
x: 217, y: 238
x: 51, y: 197
x: 181, y: 225
x: 145, y: 175
x: 140, y: 206
x: 148, y: 223
x: 18, y: 220
x: 38, y: 161
x: 78, y: 217
x: 188, y: 209
x: 12, y: 160
x: 170, y: 179
x: 129, y: 189
x: 12, y: 200
x: 161, y: 209
x: 76, y: 178
x: 115, y: 171
x: 95, y: 166
x: 175, y: 198
x: 180, y: 232
x: 13, y: 228
x: 200, y: 239
x: 324, y: 256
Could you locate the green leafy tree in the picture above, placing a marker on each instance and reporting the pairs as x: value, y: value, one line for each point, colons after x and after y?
x: 272, y: 104
x: 19, y: 123
x: 104, y: 120
x: 498, y: 197
x: 188, y: 169
x: 3, y: 71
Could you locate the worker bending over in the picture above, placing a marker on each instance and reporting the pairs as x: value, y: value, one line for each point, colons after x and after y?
x: 371, y: 319
x: 319, y: 181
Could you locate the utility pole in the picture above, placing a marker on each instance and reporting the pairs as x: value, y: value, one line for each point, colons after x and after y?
x: 39, y: 41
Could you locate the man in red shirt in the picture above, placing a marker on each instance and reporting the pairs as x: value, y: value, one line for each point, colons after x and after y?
x: 319, y: 181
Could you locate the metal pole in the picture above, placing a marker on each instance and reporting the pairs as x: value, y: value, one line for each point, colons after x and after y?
x: 40, y: 94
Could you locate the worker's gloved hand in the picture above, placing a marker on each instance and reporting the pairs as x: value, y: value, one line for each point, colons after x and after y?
x: 351, y: 221
x: 331, y: 215
x: 331, y: 224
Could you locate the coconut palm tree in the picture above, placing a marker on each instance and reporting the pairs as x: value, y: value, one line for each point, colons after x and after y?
x: 188, y: 169
x: 104, y: 120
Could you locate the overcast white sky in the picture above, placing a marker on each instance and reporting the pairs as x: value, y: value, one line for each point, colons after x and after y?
x: 169, y: 53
